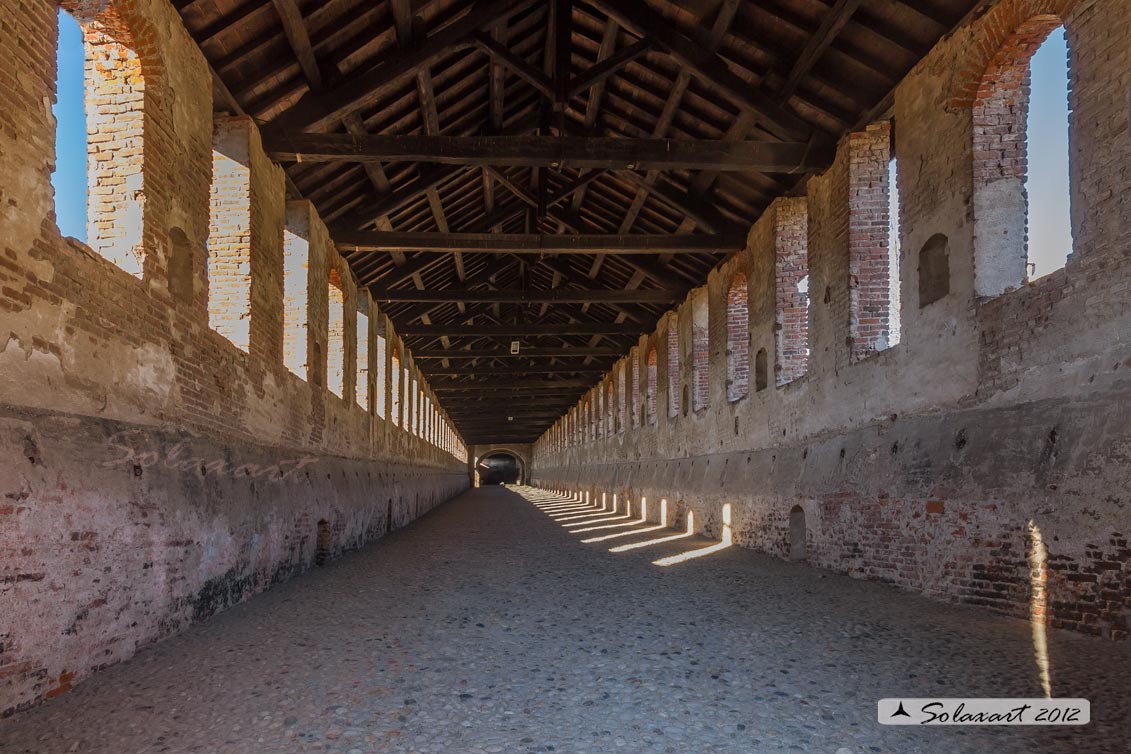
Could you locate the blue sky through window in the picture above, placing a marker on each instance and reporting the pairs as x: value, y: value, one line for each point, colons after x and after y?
x: 1050, y: 232
x: 69, y: 178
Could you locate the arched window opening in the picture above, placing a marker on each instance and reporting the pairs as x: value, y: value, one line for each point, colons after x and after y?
x: 761, y: 370
x: 336, y: 336
x: 738, y: 339
x: 1022, y: 227
x: 69, y: 178
x: 181, y: 266
x: 653, y: 377
x: 674, y: 377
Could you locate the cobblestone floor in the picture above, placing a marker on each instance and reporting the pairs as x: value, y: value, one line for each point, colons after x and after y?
x: 489, y: 626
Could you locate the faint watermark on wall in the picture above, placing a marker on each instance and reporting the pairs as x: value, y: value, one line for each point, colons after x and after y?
x: 180, y: 457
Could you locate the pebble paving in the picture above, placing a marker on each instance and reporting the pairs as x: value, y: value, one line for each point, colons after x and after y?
x: 490, y: 626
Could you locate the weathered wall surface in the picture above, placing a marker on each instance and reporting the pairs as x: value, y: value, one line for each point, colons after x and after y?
x: 992, y: 435
x: 115, y: 535
x: 140, y: 439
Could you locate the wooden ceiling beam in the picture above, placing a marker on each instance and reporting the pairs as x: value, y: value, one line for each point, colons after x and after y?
x: 531, y: 243
x: 295, y: 30
x: 706, y: 66
x: 500, y: 54
x: 835, y: 19
x: 530, y: 296
x: 364, y: 88
x: 608, y: 66
x: 523, y: 369
x: 550, y: 151
x: 505, y: 386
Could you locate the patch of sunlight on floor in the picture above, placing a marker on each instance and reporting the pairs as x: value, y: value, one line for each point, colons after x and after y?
x: 1038, y: 605
x: 637, y: 545
x: 607, y: 537
x: 727, y: 540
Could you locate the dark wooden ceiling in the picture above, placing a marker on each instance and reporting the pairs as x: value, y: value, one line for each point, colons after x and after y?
x: 755, y: 92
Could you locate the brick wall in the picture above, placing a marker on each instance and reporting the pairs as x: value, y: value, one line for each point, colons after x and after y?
x: 995, y: 427
x: 191, y: 513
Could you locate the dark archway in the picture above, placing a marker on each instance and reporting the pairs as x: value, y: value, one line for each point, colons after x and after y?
x: 501, y: 468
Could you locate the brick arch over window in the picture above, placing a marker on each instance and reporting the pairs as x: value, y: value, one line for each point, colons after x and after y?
x: 996, y: 86
x: 123, y: 88
x: 738, y: 338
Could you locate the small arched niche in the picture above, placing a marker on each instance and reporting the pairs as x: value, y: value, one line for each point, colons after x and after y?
x: 797, y: 533
x: 934, y: 270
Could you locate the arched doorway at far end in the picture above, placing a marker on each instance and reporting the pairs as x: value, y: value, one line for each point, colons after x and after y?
x: 500, y: 467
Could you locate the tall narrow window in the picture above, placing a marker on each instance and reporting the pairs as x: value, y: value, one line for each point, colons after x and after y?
x: 791, y: 288
x: 395, y: 388
x: 895, y: 329
x: 635, y: 382
x: 622, y: 397
x: 653, y: 378
x: 406, y: 400
x: 761, y: 370
x: 1046, y: 185
x: 738, y: 339
x: 415, y: 408
x: 101, y: 121
x: 336, y: 337
x: 69, y: 178
x: 869, y: 272
x: 1021, y: 165
x: 229, y: 233
x: 361, y: 386
x: 296, y: 267
x: 382, y: 385
x: 700, y: 352
x: 674, y: 377
x: 610, y: 406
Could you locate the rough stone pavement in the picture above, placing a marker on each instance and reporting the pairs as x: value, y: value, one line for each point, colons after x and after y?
x: 488, y: 626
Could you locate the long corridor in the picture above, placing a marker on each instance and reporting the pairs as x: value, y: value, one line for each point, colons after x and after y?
x: 491, y: 625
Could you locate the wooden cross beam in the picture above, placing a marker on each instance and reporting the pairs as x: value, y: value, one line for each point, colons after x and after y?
x: 530, y: 243
x: 556, y: 152
x: 555, y: 296
x: 523, y: 330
